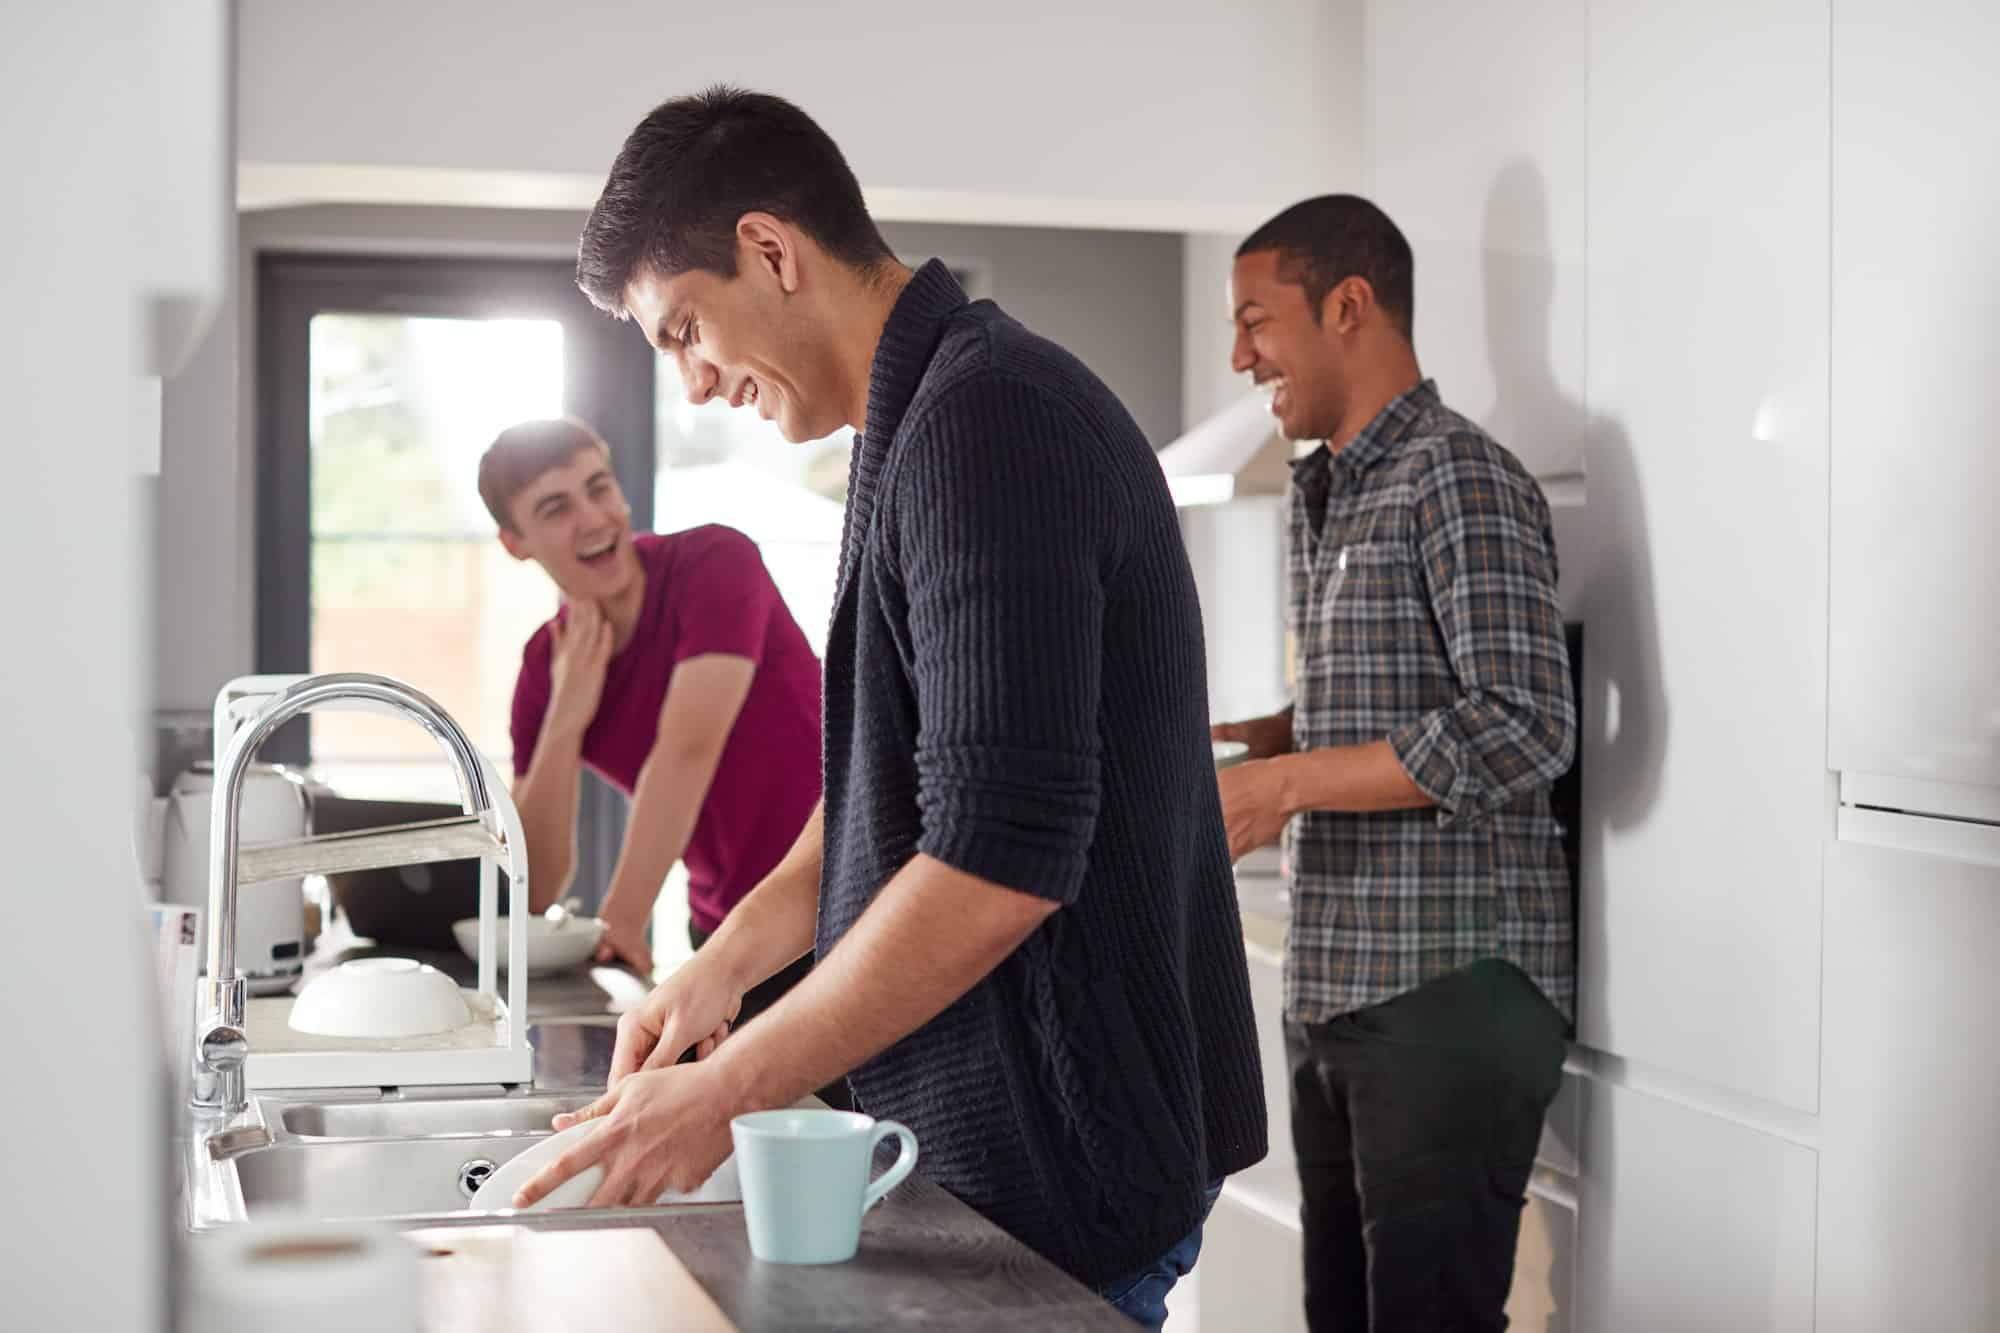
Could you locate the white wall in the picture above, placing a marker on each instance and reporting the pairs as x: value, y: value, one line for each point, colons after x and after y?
x: 84, y: 1234
x: 203, y: 512
x: 1167, y: 114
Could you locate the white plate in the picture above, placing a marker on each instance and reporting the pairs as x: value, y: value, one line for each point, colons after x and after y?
x: 1229, y: 752
x: 498, y: 1191
x: 551, y: 947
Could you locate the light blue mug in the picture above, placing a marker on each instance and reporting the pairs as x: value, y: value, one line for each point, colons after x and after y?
x: 805, y: 1180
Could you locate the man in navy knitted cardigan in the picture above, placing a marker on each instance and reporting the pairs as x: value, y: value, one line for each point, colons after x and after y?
x: 1018, y: 885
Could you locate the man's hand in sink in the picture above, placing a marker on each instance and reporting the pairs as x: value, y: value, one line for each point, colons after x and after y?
x: 662, y: 1129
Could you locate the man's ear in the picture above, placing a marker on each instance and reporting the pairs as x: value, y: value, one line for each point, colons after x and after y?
x: 512, y: 541
x: 772, y: 245
x: 1347, y: 304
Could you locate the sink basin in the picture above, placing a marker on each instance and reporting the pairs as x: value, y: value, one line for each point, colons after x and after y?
x: 404, y: 1156
x: 373, y: 1178
x: 425, y: 1118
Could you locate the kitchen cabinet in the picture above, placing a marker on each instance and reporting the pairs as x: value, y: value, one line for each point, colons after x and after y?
x: 1908, y: 1235
x: 1705, y: 801
x: 1690, y: 1221
x: 1916, y: 472
x: 1252, y: 1247
x: 1487, y: 181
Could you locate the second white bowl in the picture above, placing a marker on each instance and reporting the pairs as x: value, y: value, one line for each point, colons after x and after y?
x: 552, y: 945
x: 380, y: 997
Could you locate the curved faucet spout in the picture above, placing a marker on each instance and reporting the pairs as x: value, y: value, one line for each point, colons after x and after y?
x: 219, y: 1051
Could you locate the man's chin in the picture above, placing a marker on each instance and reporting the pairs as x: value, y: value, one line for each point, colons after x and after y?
x: 1297, y: 427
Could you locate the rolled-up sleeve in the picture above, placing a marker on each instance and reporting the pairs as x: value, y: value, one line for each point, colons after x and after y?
x: 1006, y: 527
x: 1489, y: 569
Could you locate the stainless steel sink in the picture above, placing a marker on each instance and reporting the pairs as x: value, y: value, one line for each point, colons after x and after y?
x: 371, y: 1178
x: 425, y: 1117
x: 409, y: 1155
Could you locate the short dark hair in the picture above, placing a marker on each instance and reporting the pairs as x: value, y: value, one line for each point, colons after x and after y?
x: 519, y: 454
x: 1324, y: 241
x: 696, y: 165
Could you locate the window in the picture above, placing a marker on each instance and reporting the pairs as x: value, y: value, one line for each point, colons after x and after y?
x: 380, y: 382
x: 726, y: 465
x: 407, y: 579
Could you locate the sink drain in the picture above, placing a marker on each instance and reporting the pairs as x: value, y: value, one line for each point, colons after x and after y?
x: 473, y: 1174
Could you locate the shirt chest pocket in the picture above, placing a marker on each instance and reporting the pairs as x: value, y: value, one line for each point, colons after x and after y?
x: 1366, y: 593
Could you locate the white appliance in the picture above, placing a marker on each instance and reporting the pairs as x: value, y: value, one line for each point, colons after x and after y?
x: 1910, y: 1094
x: 270, y: 928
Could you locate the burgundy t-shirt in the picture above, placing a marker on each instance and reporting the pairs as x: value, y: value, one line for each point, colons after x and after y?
x: 707, y: 591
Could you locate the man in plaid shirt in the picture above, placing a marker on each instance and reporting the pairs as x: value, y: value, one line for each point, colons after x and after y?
x: 1430, y: 972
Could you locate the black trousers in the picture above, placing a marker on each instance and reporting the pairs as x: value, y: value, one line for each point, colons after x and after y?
x: 767, y: 993
x: 1415, y: 1123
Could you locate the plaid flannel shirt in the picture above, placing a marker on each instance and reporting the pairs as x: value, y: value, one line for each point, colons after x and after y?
x: 1423, y: 609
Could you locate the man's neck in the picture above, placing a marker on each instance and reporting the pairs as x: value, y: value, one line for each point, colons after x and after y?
x: 623, y: 611
x: 1378, y: 392
x: 873, y: 302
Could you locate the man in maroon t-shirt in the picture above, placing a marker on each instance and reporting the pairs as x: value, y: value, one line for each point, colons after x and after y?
x: 674, y: 671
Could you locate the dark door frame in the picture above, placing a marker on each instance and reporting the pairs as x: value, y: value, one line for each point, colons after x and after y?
x: 607, y: 381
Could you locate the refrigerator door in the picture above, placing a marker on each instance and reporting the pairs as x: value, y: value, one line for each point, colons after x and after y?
x: 1930, y: 818
x: 1914, y: 690
x: 1910, y: 1099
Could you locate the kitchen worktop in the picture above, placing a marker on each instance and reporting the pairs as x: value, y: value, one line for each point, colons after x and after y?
x: 926, y: 1260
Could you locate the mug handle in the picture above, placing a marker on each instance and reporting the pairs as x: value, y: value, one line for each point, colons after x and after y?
x: 899, y: 1170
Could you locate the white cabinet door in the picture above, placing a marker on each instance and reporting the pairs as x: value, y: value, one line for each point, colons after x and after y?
x: 1705, y: 803
x: 1690, y: 1223
x: 1481, y: 163
x: 1910, y: 1131
x: 1915, y: 691
x: 1272, y: 1184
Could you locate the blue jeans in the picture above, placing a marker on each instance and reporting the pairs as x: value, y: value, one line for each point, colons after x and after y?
x: 1142, y: 1296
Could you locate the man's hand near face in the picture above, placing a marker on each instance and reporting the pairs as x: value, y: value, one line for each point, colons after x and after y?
x: 580, y: 652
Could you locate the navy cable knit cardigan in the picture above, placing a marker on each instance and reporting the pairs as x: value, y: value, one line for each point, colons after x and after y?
x: 1015, y: 686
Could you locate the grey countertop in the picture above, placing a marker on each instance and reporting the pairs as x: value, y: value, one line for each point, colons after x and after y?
x: 926, y: 1260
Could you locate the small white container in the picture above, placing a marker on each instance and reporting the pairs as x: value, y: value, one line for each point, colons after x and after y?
x: 380, y: 997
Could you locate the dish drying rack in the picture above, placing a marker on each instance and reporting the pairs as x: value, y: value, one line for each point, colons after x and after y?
x: 493, y: 1047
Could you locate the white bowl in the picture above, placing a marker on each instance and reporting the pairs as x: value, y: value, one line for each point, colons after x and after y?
x: 1229, y: 752
x: 552, y: 946
x: 498, y: 1191
x: 380, y: 997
